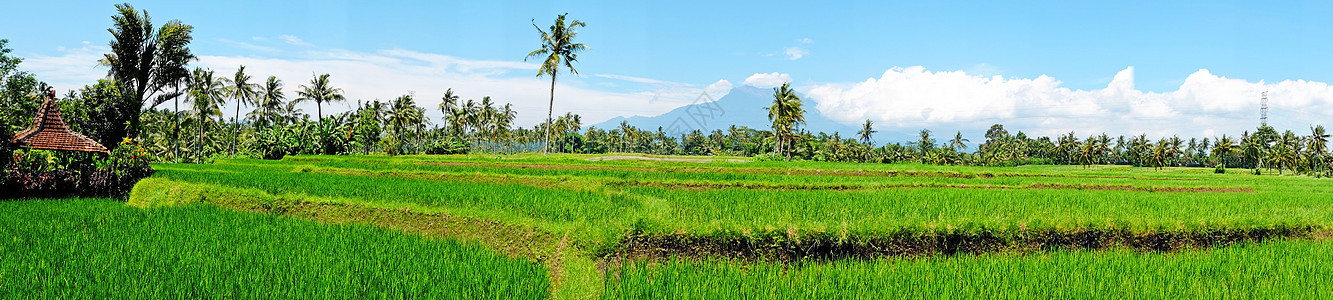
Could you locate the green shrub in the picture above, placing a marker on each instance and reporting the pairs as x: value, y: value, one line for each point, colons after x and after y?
x: 6, y: 150
x: 41, y: 173
x: 447, y: 146
x: 33, y: 161
x: 768, y: 156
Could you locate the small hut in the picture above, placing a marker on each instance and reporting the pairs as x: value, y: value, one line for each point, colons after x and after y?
x: 49, y: 132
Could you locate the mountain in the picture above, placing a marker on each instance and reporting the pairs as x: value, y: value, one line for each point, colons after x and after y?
x: 744, y: 106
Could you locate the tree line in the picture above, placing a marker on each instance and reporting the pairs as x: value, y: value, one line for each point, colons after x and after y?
x: 148, y: 67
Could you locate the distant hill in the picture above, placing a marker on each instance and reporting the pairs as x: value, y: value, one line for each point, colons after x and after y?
x: 744, y: 106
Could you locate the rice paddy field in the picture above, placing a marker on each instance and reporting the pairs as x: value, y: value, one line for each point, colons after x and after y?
x: 579, y: 227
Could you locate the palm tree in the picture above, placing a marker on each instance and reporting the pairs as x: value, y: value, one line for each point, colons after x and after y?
x: 925, y: 144
x: 207, y: 93
x: 1318, y: 147
x: 1103, y: 149
x: 405, y: 120
x: 449, y: 106
x: 785, y: 113
x: 239, y: 88
x: 627, y: 136
x: 507, y: 115
x: 146, y: 62
x: 958, y: 142
x: 268, y: 104
x: 471, y: 117
x: 1223, y: 148
x: 291, y: 113
x: 1287, y: 151
x: 559, y: 48
x: 487, y: 117
x: 176, y: 120
x: 320, y: 92
x: 865, y: 133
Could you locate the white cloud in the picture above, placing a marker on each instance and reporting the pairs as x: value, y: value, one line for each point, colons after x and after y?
x: 387, y: 74
x: 795, y: 53
x: 718, y: 89
x: 1205, y: 104
x: 805, y: 41
x: 70, y: 69
x: 767, y: 80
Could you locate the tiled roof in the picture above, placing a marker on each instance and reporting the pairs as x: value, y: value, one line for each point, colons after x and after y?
x: 49, y: 132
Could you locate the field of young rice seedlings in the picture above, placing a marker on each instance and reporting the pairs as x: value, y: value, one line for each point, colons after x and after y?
x: 100, y: 248
x: 636, y: 229
x: 1277, y: 270
x: 600, y: 207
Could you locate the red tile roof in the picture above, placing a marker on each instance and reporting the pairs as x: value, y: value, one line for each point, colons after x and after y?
x: 49, y: 132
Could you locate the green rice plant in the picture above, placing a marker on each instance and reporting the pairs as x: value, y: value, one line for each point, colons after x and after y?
x: 645, y: 206
x: 1279, y: 270
x: 99, y: 248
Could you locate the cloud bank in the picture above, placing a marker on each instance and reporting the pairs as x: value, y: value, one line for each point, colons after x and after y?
x: 1205, y: 104
x: 387, y: 74
x: 767, y: 80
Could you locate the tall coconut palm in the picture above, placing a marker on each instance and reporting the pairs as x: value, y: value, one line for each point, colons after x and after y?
x: 1223, y: 149
x: 291, y: 112
x: 1287, y: 151
x: 507, y: 115
x: 487, y: 116
x: 559, y: 48
x: 471, y: 119
x: 925, y: 144
x: 207, y: 97
x: 320, y: 92
x: 405, y: 120
x: 958, y: 142
x: 866, y: 133
x: 448, y: 106
x: 146, y: 62
x: 240, y: 89
x: 268, y: 104
x: 785, y: 113
x: 1318, y: 147
x: 1103, y: 149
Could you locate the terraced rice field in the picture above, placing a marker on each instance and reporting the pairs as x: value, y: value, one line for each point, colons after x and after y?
x: 728, y: 229
x: 100, y: 248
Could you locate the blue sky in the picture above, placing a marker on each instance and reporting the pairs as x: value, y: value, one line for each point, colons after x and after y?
x: 667, y: 51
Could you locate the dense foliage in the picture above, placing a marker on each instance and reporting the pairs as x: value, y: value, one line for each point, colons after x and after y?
x: 42, y: 173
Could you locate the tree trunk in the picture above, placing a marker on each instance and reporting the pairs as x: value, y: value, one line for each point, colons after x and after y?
x: 235, y: 134
x: 176, y: 131
x: 319, y: 109
x: 199, y: 152
x: 550, y: 109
